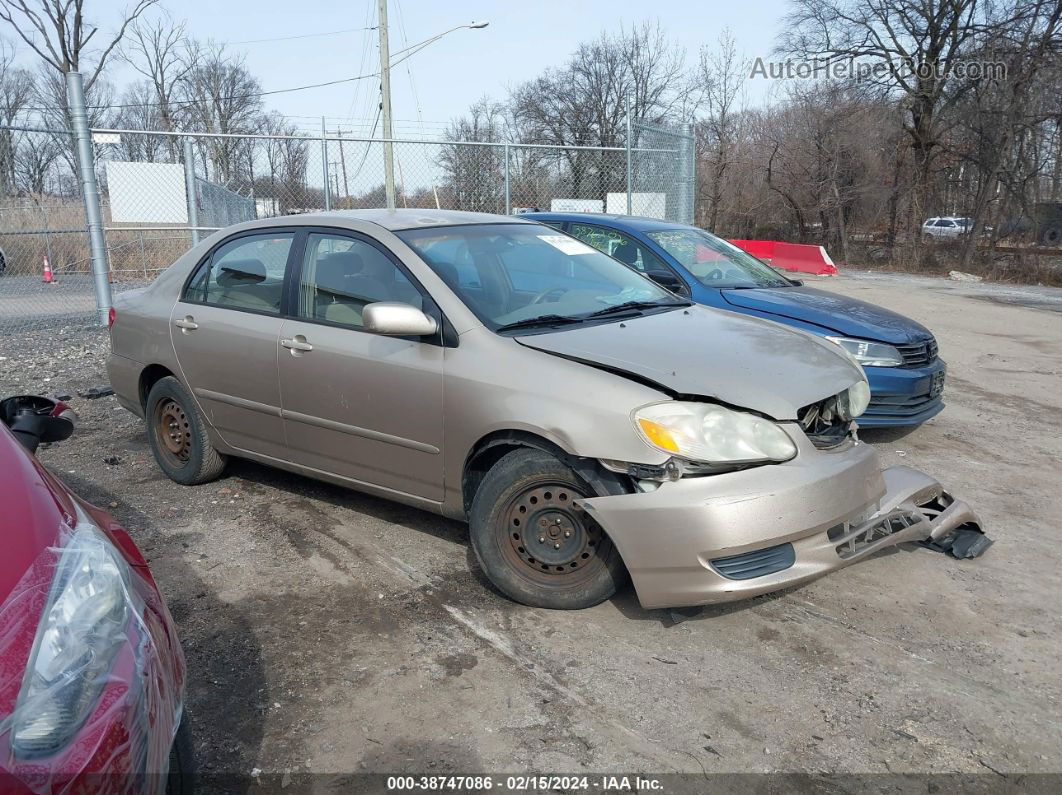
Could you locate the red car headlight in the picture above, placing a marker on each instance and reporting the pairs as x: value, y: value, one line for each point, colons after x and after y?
x: 81, y: 631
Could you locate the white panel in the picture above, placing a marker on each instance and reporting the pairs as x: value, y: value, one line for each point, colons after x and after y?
x: 576, y: 206
x: 647, y: 205
x: 147, y: 193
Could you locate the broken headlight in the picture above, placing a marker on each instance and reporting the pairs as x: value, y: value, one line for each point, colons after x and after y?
x: 869, y: 354
x: 712, y: 434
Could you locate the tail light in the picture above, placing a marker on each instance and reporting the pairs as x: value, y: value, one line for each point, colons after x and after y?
x: 111, y: 314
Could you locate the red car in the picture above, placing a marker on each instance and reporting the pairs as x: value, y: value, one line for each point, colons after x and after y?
x: 91, y: 671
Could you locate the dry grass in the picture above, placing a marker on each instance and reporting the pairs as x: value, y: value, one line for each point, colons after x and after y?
x: 937, y: 259
x: 57, y: 230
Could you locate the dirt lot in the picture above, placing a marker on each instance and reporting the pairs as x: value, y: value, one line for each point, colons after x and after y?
x: 330, y: 632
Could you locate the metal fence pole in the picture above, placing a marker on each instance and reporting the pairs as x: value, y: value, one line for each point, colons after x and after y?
x: 508, y: 198
x: 190, y: 189
x: 691, y: 173
x: 324, y: 167
x: 75, y: 93
x: 629, y: 168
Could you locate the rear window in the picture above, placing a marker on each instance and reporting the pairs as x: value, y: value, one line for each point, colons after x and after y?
x: 245, y: 273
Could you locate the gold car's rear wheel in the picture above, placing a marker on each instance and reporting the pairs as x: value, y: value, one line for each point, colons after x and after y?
x: 178, y: 434
x: 531, y: 539
x: 173, y: 431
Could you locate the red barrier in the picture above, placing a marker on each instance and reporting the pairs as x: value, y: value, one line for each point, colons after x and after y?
x: 795, y: 257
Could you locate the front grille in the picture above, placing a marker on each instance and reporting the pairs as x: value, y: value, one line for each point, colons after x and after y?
x: 900, y: 405
x: 918, y: 354
x: 757, y: 563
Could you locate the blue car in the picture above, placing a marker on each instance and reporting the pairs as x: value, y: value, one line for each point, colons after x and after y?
x: 899, y: 355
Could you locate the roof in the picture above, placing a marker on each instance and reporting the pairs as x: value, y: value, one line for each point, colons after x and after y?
x: 412, y: 218
x: 633, y: 222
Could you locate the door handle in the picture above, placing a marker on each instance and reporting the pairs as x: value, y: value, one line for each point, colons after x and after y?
x: 186, y: 324
x: 297, y: 345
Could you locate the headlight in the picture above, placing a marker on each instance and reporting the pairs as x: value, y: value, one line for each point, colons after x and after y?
x: 81, y: 631
x: 708, y: 433
x: 870, y: 354
x: 858, y: 398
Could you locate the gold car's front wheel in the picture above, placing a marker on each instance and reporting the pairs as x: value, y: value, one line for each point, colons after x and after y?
x: 534, y: 542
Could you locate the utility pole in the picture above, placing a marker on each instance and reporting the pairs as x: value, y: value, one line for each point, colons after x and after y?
x: 343, y: 162
x: 385, y: 107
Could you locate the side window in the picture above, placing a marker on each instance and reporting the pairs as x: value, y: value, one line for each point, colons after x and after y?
x: 619, y: 246
x: 245, y: 273
x: 342, y: 275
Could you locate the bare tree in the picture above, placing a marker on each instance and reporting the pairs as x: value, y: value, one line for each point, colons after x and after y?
x: 914, y: 43
x: 59, y: 33
x: 220, y: 95
x: 721, y: 74
x: 474, y: 173
x: 586, y: 102
x: 1000, y: 116
x: 16, y: 92
x: 35, y: 155
x: 161, y: 52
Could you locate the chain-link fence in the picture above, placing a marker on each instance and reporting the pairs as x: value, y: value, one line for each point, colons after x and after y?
x: 161, y: 192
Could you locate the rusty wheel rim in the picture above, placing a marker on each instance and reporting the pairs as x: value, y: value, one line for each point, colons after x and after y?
x: 550, y: 539
x: 173, y: 432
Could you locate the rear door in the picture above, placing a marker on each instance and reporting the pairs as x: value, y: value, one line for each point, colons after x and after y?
x: 360, y: 405
x: 225, y: 331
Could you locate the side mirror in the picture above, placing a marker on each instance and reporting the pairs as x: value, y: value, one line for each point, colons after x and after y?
x: 667, y: 280
x: 397, y: 320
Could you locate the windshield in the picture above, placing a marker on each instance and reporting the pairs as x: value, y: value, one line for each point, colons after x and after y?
x: 715, y: 262
x: 524, y: 273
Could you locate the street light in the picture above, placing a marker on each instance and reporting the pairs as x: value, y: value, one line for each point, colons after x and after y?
x: 385, y: 90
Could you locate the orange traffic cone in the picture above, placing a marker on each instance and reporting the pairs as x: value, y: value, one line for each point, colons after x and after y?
x: 48, y: 277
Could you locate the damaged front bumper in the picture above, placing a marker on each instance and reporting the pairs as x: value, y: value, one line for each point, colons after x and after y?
x: 725, y: 537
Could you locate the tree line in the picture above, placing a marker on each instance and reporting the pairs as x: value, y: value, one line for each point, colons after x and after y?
x: 894, y: 127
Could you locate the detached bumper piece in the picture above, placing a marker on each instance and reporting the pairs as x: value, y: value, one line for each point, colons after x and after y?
x: 699, y: 541
x: 918, y: 510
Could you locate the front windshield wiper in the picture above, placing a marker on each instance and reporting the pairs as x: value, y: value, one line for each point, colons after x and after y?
x: 539, y: 321
x: 627, y: 306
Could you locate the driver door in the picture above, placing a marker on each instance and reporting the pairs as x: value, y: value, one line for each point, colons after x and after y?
x: 359, y: 405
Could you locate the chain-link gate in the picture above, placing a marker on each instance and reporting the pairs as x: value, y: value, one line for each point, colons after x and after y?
x: 162, y: 192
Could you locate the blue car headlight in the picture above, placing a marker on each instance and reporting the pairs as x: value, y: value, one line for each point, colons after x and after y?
x: 869, y: 354
x: 80, y: 633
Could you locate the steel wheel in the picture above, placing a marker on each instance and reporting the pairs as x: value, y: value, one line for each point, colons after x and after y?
x: 551, y: 541
x: 173, y: 432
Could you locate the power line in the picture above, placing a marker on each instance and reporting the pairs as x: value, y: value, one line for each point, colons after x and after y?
x: 303, y: 36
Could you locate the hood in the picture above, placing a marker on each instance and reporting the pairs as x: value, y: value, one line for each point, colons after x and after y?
x: 738, y: 360
x: 848, y: 317
x: 34, y: 512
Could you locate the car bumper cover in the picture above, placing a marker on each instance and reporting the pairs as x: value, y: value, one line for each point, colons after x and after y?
x: 725, y: 537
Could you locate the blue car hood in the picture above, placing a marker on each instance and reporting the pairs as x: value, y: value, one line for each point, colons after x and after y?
x: 848, y: 317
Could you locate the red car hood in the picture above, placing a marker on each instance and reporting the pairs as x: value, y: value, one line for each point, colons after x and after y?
x: 35, y: 511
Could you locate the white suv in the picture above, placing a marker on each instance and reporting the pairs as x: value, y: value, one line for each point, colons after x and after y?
x: 946, y: 227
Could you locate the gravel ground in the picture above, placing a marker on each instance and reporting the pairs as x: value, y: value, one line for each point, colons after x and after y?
x: 334, y: 633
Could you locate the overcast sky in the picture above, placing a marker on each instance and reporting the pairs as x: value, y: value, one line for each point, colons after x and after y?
x: 523, y: 38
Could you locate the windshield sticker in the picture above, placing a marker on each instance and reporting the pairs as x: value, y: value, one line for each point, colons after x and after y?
x: 568, y: 245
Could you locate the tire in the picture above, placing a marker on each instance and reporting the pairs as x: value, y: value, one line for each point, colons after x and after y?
x: 178, y: 436
x: 533, y: 543
x: 181, y: 777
